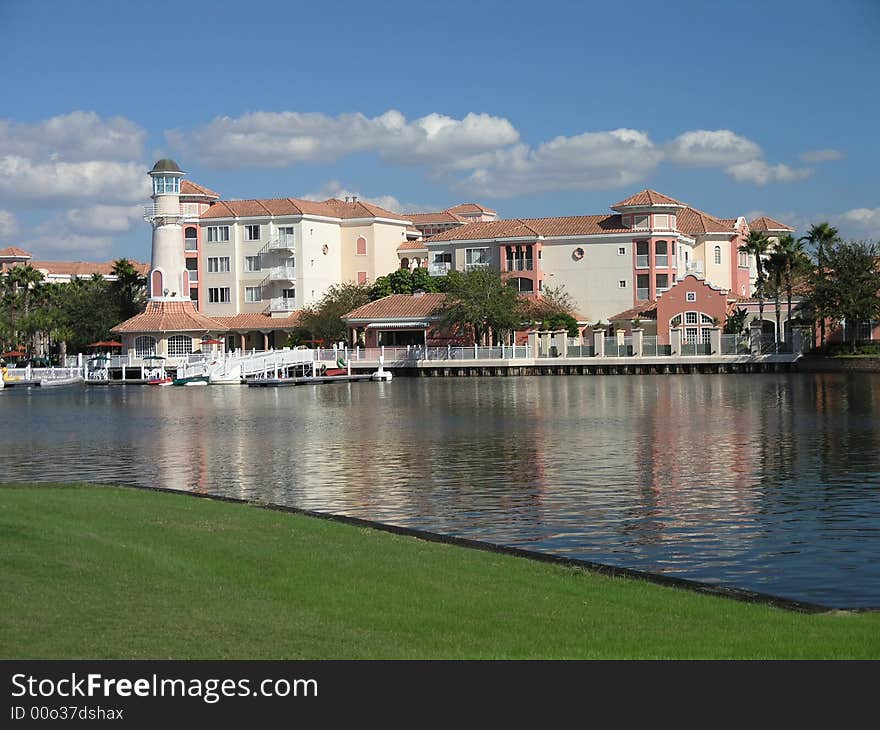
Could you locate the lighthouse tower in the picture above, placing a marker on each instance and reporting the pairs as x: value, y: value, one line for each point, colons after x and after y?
x: 169, y: 278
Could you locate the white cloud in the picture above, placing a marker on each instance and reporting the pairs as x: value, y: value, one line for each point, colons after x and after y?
x: 591, y: 160
x: 103, y: 218
x: 68, y: 245
x: 827, y: 155
x: 75, y: 137
x: 760, y: 172
x: 8, y: 225
x: 56, y: 184
x: 703, y: 147
x: 278, y: 139
x: 859, y: 223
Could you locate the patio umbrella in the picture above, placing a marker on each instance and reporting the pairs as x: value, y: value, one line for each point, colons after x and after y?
x: 109, y: 343
x: 212, y: 342
x: 13, y: 353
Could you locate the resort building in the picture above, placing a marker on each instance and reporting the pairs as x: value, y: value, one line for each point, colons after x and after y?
x: 55, y: 272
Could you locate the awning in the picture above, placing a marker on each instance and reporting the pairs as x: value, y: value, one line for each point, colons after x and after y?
x: 397, y: 325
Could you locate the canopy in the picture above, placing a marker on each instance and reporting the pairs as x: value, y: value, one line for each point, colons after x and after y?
x: 110, y: 343
x: 212, y: 342
x: 13, y: 353
x: 397, y: 325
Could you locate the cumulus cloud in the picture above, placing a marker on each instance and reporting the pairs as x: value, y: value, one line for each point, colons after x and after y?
x: 702, y: 147
x: 8, y: 225
x: 859, y: 223
x: 760, y: 172
x: 75, y: 137
x: 827, y: 155
x: 587, y: 161
x: 278, y: 139
x: 103, y: 218
x: 68, y: 245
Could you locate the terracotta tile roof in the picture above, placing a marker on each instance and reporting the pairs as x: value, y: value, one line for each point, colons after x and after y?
x: 443, y: 216
x: 412, y: 246
x: 578, y: 225
x: 188, y: 187
x: 83, y: 268
x: 13, y: 251
x: 398, y: 306
x: 257, y: 321
x: 729, y: 221
x: 169, y: 317
x: 647, y: 197
x: 692, y: 222
x: 470, y: 208
x: 331, y: 208
x: 768, y: 224
x: 645, y: 310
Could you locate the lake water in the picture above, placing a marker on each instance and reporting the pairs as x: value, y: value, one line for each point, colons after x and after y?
x: 764, y: 482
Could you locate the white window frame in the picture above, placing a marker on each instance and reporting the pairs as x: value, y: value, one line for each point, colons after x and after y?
x: 717, y: 255
x: 144, y: 345
x: 218, y: 234
x: 641, y: 221
x: 249, y: 263
x: 216, y: 264
x: 691, y: 296
x: 180, y: 345
x: 249, y: 231
x: 621, y: 250
x: 661, y: 221
x: 253, y: 294
x: 218, y: 295
x: 621, y: 284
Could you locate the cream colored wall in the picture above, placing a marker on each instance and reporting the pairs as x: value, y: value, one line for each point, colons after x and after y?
x: 209, y: 250
x: 716, y: 274
x: 248, y: 278
x: 593, y: 280
x: 317, y: 271
x: 387, y: 237
x: 382, y: 242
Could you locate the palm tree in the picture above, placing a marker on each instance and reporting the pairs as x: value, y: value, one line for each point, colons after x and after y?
x: 791, y: 253
x: 821, y: 236
x: 129, y: 288
x: 757, y: 244
x: 775, y: 268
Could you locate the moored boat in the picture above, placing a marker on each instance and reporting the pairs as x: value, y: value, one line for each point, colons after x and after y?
x: 55, y: 382
x: 191, y: 380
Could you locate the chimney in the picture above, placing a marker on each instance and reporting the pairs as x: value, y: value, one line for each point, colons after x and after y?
x: 346, y: 198
x: 354, y: 198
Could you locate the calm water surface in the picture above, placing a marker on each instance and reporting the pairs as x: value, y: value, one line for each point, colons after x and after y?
x: 765, y: 482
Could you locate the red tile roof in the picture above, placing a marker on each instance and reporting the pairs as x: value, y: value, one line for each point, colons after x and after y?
x: 399, y: 306
x: 188, y: 187
x: 83, y: 268
x: 578, y: 225
x: 645, y: 310
x: 169, y: 317
x: 443, y: 216
x: 331, y: 208
x: 258, y: 321
x: 695, y: 222
x: 768, y: 224
x: 470, y: 208
x: 13, y: 251
x: 647, y: 197
x: 412, y: 246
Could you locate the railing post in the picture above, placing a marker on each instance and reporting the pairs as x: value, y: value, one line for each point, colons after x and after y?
x: 476, y: 350
x: 675, y: 341
x: 715, y: 341
x: 638, y: 338
x: 599, y: 342
x: 755, y: 337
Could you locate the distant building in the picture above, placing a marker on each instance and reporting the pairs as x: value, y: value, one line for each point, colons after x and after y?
x: 55, y: 272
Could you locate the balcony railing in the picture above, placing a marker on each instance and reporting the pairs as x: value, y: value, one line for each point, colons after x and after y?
x: 643, y: 294
x: 642, y: 261
x: 520, y: 264
x: 281, y: 273
x: 283, y: 242
x: 282, y: 304
x: 191, y: 244
x: 193, y: 276
x: 694, y: 267
x: 476, y: 266
x: 439, y: 268
x: 661, y: 260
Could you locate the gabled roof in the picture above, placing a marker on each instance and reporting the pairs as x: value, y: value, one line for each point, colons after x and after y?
x: 13, y: 252
x: 443, y: 216
x: 470, y: 208
x: 694, y: 222
x: 768, y: 224
x: 169, y: 317
x: 645, y: 198
x: 412, y: 246
x: 576, y: 225
x: 188, y: 187
x: 331, y: 208
x: 645, y: 310
x: 398, y: 306
x: 257, y: 321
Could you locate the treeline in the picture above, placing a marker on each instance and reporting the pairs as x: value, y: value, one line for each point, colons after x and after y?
x: 479, y: 303
x: 44, y: 319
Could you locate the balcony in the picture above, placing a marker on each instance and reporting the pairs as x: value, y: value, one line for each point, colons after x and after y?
x: 661, y: 260
x: 283, y: 242
x: 476, y: 266
x: 282, y: 304
x: 520, y: 264
x: 191, y: 244
x: 439, y: 268
x: 188, y: 211
x: 193, y: 276
x: 642, y: 261
x: 694, y: 267
x: 281, y: 273
x: 642, y: 294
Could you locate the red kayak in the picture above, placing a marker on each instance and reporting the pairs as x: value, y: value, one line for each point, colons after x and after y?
x: 160, y: 381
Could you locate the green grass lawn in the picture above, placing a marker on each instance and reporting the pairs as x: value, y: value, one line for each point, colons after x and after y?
x: 103, y: 572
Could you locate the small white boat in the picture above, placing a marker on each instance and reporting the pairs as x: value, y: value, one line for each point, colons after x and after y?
x: 382, y: 374
x: 55, y: 382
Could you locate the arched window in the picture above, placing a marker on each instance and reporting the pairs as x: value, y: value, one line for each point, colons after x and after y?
x: 361, y: 246
x: 180, y: 345
x: 156, y: 283
x: 718, y: 254
x: 144, y: 345
x: 404, y: 263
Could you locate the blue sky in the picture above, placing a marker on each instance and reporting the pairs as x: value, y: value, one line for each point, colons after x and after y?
x: 557, y: 108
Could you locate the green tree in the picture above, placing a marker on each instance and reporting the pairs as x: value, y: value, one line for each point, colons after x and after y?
x: 821, y: 236
x: 757, y: 244
x: 790, y: 252
x: 481, y: 302
x: 736, y: 322
x: 853, y: 282
x: 129, y: 291
x: 774, y: 268
x: 404, y: 281
x: 324, y: 319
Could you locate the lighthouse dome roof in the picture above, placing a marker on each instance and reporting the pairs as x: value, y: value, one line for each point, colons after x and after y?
x: 166, y: 164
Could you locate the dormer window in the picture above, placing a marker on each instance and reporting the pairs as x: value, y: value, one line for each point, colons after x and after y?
x: 640, y: 221
x: 661, y: 221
